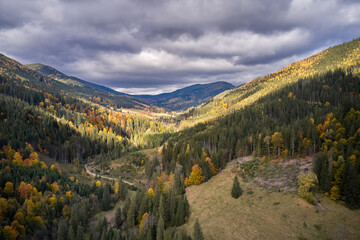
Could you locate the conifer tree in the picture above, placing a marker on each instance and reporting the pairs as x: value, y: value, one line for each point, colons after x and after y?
x: 198, y: 234
x: 160, y: 229
x: 63, y: 230
x: 352, y: 188
x: 179, y: 217
x: 236, y: 190
x: 118, y: 218
x: 105, y: 203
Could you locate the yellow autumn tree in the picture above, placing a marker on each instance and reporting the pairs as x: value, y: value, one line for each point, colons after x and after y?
x: 66, y: 211
x: 18, y: 159
x: 10, y: 233
x: 151, y: 192
x: 307, y: 183
x: 9, y: 189
x: 24, y: 190
x: 195, y: 177
x: 20, y: 217
x: 116, y: 188
x: 335, y: 193
x: 35, y: 158
x: 98, y: 184
x: 69, y: 194
x: 55, y: 187
x: 277, y: 141
x: 213, y: 169
x: 18, y: 227
x: 143, y: 220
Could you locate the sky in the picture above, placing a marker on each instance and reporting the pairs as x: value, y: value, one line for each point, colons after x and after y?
x: 155, y: 46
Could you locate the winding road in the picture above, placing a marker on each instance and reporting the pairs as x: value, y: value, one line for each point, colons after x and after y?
x: 101, y: 176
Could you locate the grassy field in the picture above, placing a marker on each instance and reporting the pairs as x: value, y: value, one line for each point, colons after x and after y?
x: 262, y: 214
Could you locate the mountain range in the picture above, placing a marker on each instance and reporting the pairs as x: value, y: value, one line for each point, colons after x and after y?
x: 180, y: 99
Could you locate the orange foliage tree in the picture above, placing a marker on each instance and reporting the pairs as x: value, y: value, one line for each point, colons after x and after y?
x: 195, y: 177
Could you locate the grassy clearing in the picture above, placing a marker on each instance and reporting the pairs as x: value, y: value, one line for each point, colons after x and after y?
x: 265, y: 215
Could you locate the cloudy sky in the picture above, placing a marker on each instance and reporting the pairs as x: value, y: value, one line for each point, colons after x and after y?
x: 153, y: 46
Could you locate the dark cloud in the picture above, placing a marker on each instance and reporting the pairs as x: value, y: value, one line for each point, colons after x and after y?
x: 164, y: 44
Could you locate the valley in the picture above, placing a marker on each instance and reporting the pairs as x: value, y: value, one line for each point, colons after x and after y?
x: 82, y: 161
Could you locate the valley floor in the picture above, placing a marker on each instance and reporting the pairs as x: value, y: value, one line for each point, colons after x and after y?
x: 262, y: 214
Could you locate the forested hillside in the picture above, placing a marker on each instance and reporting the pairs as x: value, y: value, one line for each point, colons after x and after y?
x: 341, y: 56
x: 25, y: 76
x: 73, y: 81
x: 43, y: 112
x: 316, y: 115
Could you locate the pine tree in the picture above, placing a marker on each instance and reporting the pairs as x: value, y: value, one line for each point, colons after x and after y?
x: 105, y: 202
x: 62, y: 230
x: 179, y: 217
x: 71, y: 234
x: 160, y: 229
x: 80, y: 233
x: 118, y: 218
x: 352, y: 188
x: 130, y: 220
x: 198, y: 234
x: 236, y: 190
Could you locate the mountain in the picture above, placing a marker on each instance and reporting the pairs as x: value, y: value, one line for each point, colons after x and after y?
x: 180, y: 99
x: 54, y: 81
x: 190, y: 96
x: 69, y: 80
x: 341, y: 56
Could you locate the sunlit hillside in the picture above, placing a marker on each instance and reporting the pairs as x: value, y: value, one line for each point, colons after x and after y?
x: 340, y: 56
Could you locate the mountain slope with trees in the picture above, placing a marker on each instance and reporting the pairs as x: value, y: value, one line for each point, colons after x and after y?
x: 341, y: 56
x: 70, y: 80
x: 21, y: 74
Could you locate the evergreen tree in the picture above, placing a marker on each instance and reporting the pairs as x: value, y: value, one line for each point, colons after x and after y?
x: 71, y: 234
x: 236, y: 190
x: 105, y: 202
x: 80, y: 233
x: 352, y: 188
x: 160, y: 229
x: 118, y: 218
x: 179, y: 217
x: 130, y: 219
x: 198, y: 234
x: 62, y: 230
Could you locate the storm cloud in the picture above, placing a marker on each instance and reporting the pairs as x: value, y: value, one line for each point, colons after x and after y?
x: 152, y: 46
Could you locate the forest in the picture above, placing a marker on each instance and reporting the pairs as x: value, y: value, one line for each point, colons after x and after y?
x: 316, y: 115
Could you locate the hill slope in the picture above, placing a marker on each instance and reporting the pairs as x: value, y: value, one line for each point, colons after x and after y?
x: 262, y: 214
x: 69, y: 80
x: 190, y: 96
x: 19, y: 73
x: 340, y: 56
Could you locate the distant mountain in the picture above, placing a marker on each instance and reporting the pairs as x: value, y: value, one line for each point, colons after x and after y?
x: 190, y: 96
x: 69, y: 80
